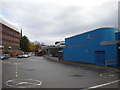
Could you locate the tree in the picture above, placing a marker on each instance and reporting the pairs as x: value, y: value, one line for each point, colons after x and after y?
x: 32, y: 47
x: 38, y: 44
x: 24, y: 43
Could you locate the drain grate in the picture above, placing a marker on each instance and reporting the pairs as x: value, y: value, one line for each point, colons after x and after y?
x: 23, y: 83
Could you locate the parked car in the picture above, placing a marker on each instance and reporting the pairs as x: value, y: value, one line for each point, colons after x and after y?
x: 25, y: 55
x: 39, y: 53
x: 22, y: 56
x: 4, y: 57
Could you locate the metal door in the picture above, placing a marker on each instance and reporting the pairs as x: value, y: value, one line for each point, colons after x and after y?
x: 119, y: 56
x: 100, y: 57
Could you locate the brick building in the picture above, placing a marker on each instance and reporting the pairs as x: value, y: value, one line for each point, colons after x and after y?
x: 9, y: 39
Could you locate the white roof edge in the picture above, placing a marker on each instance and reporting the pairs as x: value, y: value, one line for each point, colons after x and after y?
x: 93, y: 29
x: 8, y: 24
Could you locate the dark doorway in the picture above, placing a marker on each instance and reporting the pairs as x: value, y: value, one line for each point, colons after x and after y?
x: 100, y: 57
x: 118, y: 55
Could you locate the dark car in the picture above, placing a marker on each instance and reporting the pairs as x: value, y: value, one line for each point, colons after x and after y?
x: 4, y: 57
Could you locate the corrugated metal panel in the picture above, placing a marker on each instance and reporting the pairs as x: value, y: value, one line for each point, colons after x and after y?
x: 82, y: 47
x: 110, y: 42
x: 118, y: 36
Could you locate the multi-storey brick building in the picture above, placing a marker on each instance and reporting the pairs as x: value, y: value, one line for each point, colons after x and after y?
x: 9, y: 39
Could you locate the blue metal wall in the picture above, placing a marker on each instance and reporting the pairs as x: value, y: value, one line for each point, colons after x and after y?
x: 83, y: 47
x: 118, y: 36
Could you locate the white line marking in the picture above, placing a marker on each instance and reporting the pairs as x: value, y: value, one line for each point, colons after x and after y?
x: 105, y: 84
x: 16, y: 69
x: 100, y: 74
x: 19, y: 83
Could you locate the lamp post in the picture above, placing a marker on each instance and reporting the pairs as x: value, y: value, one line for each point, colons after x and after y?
x: 9, y: 47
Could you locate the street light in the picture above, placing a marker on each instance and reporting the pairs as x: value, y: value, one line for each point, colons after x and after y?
x: 9, y: 47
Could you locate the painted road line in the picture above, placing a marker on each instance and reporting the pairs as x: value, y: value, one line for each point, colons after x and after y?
x: 16, y: 69
x: 105, y: 84
x: 23, y: 83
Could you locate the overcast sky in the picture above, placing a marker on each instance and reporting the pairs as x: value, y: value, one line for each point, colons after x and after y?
x: 49, y: 21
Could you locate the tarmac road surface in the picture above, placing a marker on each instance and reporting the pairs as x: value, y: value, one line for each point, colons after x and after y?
x: 37, y: 72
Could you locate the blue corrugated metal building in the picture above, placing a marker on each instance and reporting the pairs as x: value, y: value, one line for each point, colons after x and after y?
x: 99, y: 46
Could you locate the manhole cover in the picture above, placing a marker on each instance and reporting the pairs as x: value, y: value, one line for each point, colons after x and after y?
x: 30, y: 69
x: 77, y: 75
x: 23, y: 83
x: 109, y: 74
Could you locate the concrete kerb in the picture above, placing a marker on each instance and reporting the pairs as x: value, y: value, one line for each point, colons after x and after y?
x: 105, y: 68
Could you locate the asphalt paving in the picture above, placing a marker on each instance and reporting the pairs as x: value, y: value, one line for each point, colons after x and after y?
x: 38, y: 72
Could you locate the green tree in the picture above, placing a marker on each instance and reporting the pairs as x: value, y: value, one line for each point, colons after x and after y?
x: 32, y: 47
x: 24, y: 43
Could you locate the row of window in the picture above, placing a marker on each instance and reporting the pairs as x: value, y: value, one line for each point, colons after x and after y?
x: 0, y: 34
x: 10, y: 38
x: 6, y: 30
x: 0, y: 43
x: 10, y: 44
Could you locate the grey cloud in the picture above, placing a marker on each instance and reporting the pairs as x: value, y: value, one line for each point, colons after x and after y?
x: 51, y: 22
